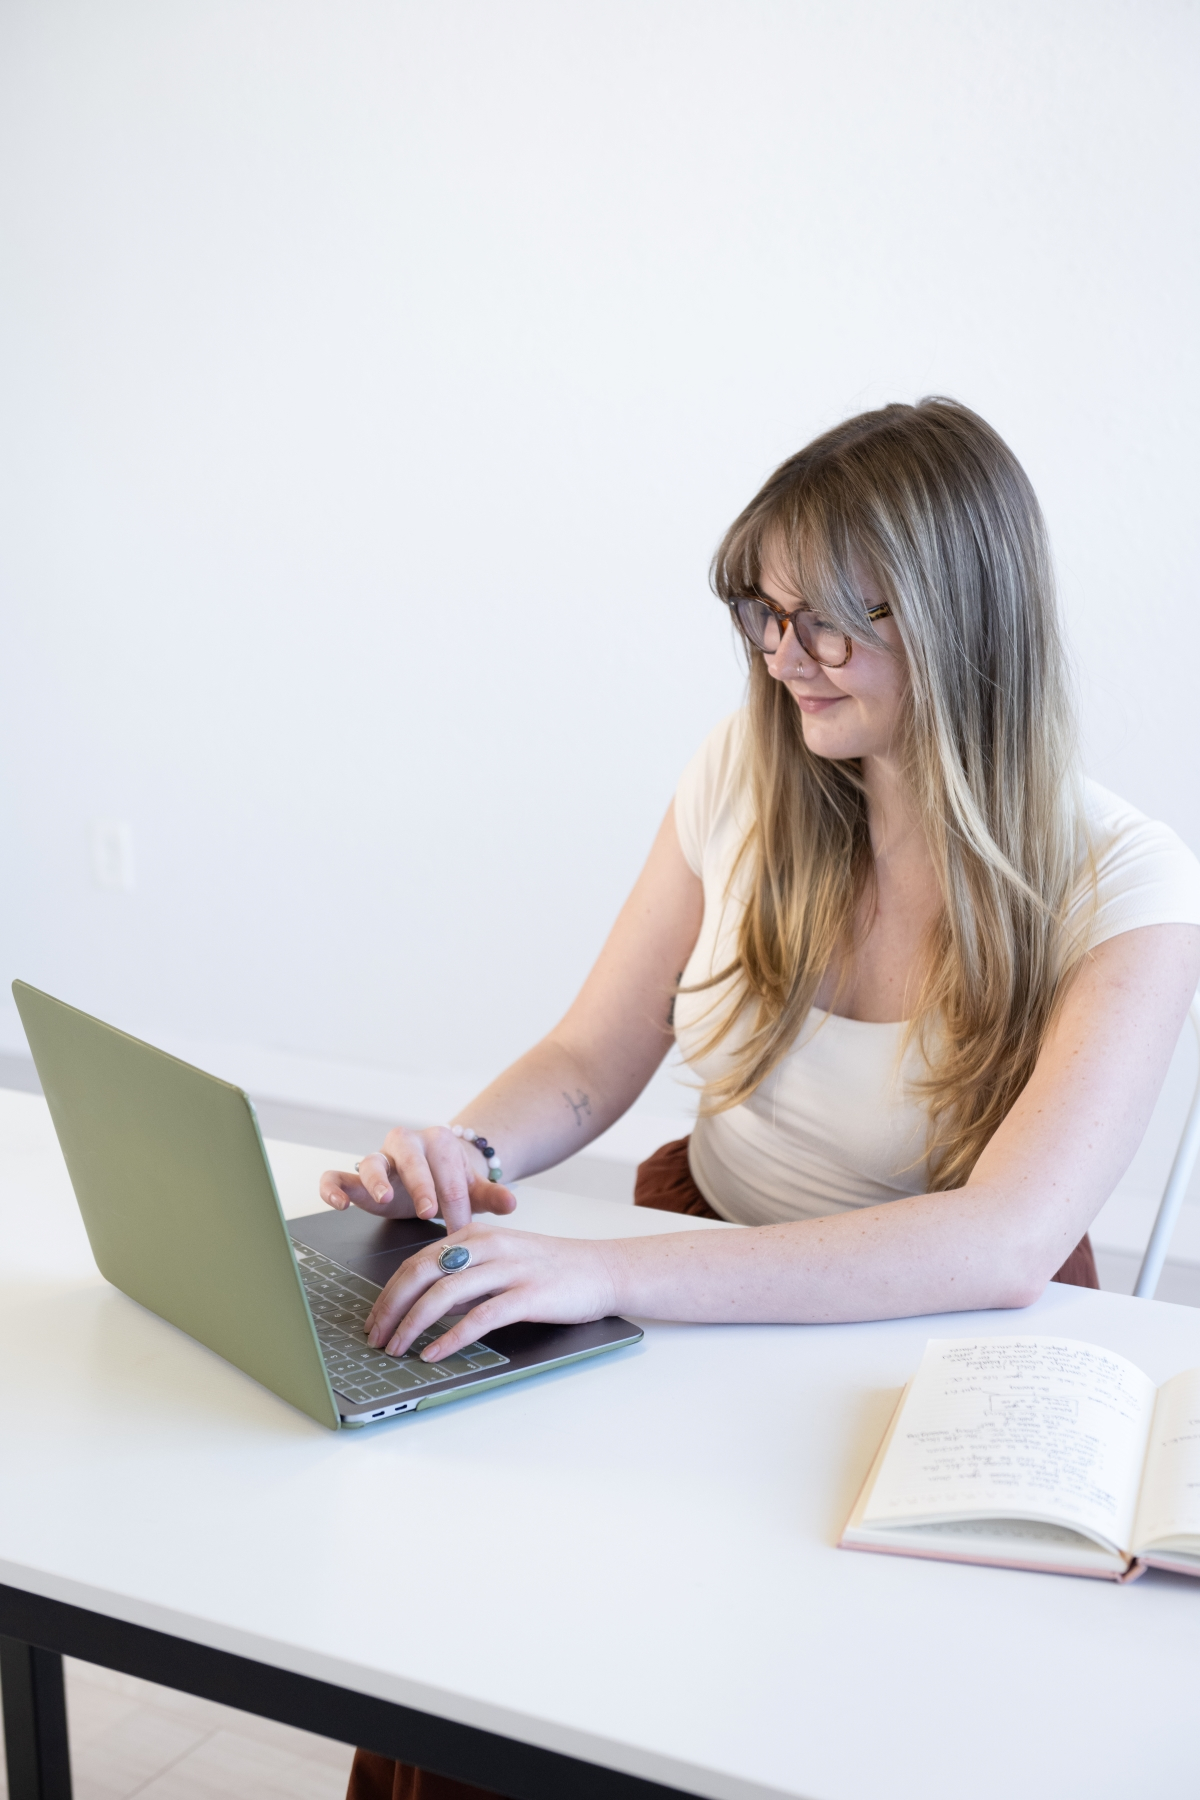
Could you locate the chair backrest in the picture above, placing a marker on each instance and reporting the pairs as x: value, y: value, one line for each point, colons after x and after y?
x: 1176, y: 1188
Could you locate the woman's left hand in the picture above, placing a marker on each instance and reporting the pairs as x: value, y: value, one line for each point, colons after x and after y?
x: 511, y: 1275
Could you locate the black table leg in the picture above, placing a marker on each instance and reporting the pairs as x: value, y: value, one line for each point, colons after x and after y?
x: 35, y: 1722
x: 36, y: 1716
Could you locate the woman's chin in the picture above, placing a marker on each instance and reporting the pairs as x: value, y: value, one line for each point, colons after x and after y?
x: 824, y: 738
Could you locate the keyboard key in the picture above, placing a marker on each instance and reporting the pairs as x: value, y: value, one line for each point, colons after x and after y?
x: 406, y: 1379
x: 340, y: 1301
x: 361, y: 1288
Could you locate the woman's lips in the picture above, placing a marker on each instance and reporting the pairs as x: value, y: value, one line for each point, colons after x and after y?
x: 815, y: 703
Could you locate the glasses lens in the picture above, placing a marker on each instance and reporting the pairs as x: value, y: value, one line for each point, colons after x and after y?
x: 825, y: 643
x: 759, y: 623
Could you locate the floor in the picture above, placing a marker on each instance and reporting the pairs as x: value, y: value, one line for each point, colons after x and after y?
x: 129, y: 1737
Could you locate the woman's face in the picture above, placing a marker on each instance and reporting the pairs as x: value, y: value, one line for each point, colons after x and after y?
x: 854, y: 711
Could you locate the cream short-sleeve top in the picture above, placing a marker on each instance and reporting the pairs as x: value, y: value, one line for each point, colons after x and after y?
x: 835, y: 1125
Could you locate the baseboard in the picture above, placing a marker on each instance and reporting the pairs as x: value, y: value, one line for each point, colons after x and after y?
x: 18, y: 1072
x: 1118, y: 1237
x: 593, y: 1174
x: 1178, y: 1283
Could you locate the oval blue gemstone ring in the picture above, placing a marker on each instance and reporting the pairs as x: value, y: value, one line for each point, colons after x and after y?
x: 453, y: 1258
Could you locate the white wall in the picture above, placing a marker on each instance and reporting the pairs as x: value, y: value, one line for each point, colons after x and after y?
x: 376, y: 380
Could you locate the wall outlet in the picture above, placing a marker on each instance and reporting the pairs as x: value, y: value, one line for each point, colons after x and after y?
x: 112, y: 855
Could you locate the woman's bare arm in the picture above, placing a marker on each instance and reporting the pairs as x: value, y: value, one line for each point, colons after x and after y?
x: 573, y: 1084
x: 993, y: 1243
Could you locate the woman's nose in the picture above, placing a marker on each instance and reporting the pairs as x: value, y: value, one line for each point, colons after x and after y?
x: 791, y: 661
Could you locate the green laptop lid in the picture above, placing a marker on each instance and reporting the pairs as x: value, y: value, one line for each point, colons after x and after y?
x: 177, y: 1196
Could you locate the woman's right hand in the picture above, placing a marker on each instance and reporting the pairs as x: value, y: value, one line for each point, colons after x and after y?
x: 415, y: 1174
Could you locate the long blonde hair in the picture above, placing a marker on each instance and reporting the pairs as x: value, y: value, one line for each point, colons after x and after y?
x: 932, y: 502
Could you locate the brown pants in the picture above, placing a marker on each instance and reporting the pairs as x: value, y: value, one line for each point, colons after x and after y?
x: 664, y: 1181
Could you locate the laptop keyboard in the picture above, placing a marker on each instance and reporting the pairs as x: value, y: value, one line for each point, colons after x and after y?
x: 340, y: 1301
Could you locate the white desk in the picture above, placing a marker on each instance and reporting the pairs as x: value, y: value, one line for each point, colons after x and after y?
x: 630, y: 1562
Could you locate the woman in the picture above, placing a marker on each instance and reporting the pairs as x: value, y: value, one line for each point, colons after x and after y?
x: 931, y: 980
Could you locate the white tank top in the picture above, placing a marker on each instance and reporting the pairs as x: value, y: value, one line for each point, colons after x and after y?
x: 836, y: 1125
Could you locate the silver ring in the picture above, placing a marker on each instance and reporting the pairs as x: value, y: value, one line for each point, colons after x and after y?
x: 387, y: 1159
x: 453, y: 1258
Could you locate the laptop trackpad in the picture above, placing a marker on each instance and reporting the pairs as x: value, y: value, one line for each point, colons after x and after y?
x: 374, y: 1248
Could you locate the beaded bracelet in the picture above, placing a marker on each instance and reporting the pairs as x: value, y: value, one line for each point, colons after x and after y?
x: 495, y: 1172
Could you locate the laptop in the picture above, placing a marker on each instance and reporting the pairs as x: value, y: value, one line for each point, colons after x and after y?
x: 181, y: 1211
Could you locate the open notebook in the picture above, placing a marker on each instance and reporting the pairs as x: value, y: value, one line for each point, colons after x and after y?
x: 1037, y: 1453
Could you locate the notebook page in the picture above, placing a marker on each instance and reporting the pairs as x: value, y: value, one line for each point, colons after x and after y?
x: 1170, y: 1502
x: 1035, y: 1428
